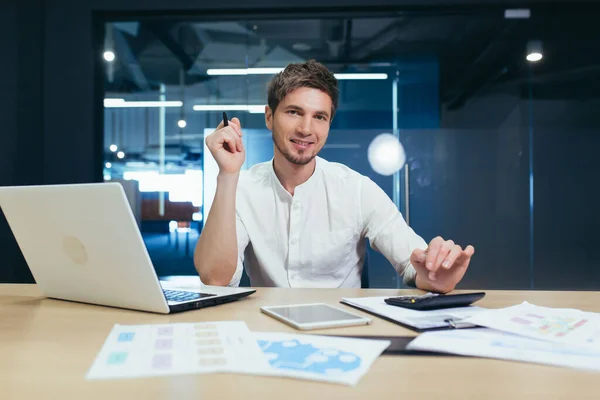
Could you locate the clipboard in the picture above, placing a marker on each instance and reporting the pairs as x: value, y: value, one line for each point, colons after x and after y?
x: 438, y: 320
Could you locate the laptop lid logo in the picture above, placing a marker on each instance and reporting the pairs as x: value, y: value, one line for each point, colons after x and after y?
x: 75, y: 250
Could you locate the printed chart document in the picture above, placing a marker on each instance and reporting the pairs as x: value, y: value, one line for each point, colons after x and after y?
x: 421, y: 320
x: 336, y: 360
x: 559, y: 325
x: 132, y: 351
x: 489, y: 343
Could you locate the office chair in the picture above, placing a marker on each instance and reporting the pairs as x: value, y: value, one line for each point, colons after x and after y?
x: 364, y: 279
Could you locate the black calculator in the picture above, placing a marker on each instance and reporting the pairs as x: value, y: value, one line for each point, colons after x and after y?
x: 435, y: 301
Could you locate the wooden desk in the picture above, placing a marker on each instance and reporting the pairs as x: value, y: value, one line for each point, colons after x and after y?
x: 47, y: 346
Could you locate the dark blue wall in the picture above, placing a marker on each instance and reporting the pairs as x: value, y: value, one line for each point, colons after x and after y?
x: 21, y: 102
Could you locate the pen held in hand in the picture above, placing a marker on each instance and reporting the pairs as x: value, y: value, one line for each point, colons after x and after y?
x: 225, y: 122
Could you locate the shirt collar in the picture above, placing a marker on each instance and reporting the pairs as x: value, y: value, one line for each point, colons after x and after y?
x: 309, y: 181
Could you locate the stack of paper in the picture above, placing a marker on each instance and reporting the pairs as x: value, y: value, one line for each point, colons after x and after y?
x: 132, y: 351
x: 560, y: 337
x: 420, y: 320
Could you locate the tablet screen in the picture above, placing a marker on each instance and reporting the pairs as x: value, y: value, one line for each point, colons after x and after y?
x: 313, y: 313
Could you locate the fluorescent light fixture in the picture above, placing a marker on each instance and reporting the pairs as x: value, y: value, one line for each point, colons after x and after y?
x: 243, y: 71
x: 360, y: 76
x: 268, y: 71
x: 214, y: 107
x: 253, y: 109
x: 120, y: 103
x: 301, y: 46
x: 517, y: 13
x: 256, y: 109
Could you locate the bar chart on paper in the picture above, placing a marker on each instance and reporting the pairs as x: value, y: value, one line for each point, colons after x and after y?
x: 551, y: 324
x: 557, y: 326
x: 132, y: 351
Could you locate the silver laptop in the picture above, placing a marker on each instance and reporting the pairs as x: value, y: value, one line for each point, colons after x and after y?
x: 82, y: 243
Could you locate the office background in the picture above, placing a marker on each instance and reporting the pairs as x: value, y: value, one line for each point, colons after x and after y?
x: 500, y: 150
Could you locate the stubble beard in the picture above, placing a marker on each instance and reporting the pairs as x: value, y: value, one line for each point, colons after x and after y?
x: 297, y: 160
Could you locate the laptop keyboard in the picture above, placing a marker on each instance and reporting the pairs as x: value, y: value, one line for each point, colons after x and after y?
x: 180, y: 295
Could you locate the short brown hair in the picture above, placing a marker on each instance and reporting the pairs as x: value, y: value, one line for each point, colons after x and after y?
x: 310, y: 74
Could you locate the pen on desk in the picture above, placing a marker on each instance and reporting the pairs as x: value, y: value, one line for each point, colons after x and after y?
x: 450, y: 322
x: 225, y: 122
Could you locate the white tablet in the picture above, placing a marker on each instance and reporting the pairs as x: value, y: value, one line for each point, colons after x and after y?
x: 314, y: 316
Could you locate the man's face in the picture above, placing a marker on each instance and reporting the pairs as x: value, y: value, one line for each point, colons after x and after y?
x: 300, y: 124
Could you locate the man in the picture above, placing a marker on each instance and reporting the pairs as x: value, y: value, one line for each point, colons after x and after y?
x: 300, y: 221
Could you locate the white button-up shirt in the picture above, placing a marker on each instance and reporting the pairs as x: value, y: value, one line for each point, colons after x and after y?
x: 316, y: 238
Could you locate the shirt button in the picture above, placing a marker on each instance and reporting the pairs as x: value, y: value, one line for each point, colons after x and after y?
x: 296, y: 206
x: 293, y: 242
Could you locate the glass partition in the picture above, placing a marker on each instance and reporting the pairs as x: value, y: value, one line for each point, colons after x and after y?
x: 495, y: 113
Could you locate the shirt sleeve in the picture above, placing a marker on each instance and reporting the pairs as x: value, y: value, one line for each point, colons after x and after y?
x: 387, y: 230
x: 242, y: 242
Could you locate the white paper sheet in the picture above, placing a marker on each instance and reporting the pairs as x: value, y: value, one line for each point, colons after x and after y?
x: 559, y: 325
x: 321, y: 358
x: 132, y: 351
x: 483, y: 342
x: 414, y: 318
